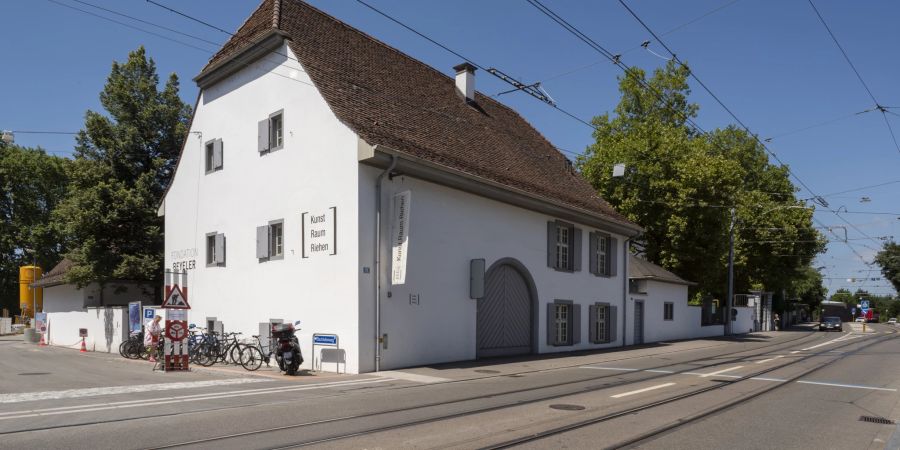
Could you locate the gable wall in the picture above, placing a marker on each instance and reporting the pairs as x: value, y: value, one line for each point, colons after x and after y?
x: 314, y: 171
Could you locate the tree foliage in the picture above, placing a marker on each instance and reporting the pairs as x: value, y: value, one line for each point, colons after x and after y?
x: 123, y: 162
x: 31, y: 184
x: 681, y: 185
x: 889, y: 261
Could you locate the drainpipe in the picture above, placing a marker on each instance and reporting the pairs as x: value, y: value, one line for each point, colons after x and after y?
x: 625, y: 293
x: 378, y: 260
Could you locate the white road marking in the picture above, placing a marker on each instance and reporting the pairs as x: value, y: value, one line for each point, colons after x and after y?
x: 651, y: 388
x: 179, y: 399
x: 795, y: 351
x: 765, y: 360
x: 111, y: 390
x: 777, y: 380
x: 610, y: 368
x: 659, y: 371
x: 845, y: 337
x: 779, y: 356
x: 705, y: 375
x: 398, y: 375
x: 853, y: 386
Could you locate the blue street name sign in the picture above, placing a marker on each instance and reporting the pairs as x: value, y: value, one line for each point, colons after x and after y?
x: 325, y: 339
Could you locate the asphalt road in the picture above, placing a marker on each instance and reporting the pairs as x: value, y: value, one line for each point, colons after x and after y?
x: 793, y: 389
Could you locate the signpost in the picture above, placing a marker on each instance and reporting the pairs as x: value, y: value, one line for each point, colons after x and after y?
x: 334, y: 355
x: 176, y: 306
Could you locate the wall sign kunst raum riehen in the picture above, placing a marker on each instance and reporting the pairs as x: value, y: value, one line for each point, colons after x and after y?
x: 319, y: 236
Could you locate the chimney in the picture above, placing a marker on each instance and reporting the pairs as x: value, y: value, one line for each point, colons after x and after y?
x: 465, y: 80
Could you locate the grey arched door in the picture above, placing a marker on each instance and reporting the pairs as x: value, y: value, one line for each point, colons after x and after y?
x: 505, y: 314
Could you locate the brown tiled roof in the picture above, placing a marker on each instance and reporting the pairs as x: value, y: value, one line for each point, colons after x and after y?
x: 391, y: 99
x: 56, y: 275
x: 641, y: 269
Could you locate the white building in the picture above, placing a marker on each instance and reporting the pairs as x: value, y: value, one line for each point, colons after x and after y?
x: 312, y: 144
x: 101, y: 310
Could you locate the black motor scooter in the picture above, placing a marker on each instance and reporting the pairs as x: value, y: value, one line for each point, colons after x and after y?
x: 287, y: 348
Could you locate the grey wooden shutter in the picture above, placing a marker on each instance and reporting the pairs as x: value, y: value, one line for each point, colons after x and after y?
x: 592, y: 252
x: 576, y: 324
x: 220, y: 249
x: 217, y: 154
x: 263, y: 135
x: 551, y: 324
x: 592, y: 320
x: 262, y: 241
x: 613, y: 251
x: 613, y: 323
x: 576, y: 253
x: 551, y: 244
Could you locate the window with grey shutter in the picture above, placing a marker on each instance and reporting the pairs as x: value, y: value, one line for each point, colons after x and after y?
x: 210, y: 249
x: 592, y: 254
x: 220, y: 249
x: 262, y: 242
x: 668, y: 311
x: 217, y: 154
x: 563, y: 246
x: 276, y: 239
x: 563, y: 321
x: 599, y: 323
x: 276, y: 130
x: 263, y: 136
x: 209, y: 151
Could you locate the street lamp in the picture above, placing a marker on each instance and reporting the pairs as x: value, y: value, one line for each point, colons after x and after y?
x: 730, y: 300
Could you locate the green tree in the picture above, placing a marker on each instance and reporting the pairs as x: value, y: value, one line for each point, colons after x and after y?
x: 123, y: 163
x: 844, y: 295
x: 31, y: 184
x: 681, y: 185
x: 889, y: 261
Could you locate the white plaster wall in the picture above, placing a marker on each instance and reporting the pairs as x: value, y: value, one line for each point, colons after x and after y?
x: 686, y: 319
x: 316, y: 169
x: 107, y: 327
x: 119, y: 294
x: 63, y: 298
x: 448, y: 228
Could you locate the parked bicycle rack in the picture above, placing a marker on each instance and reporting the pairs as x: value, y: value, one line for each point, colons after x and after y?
x: 333, y: 353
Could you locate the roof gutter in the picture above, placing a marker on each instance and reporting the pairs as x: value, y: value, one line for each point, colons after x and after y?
x: 380, y: 156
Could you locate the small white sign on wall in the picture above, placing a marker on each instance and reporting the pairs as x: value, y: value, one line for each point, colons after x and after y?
x: 399, y: 236
x: 319, y: 234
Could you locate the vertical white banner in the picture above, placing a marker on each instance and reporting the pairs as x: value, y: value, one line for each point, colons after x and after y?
x: 399, y: 236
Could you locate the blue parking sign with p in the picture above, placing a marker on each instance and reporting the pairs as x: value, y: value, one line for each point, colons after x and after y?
x: 149, y: 313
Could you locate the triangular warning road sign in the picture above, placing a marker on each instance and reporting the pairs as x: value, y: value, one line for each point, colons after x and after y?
x: 176, y: 299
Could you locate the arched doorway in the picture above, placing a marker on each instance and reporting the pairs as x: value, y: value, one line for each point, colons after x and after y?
x: 506, y: 315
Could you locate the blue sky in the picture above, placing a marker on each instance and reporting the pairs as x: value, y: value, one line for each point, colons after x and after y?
x: 770, y: 61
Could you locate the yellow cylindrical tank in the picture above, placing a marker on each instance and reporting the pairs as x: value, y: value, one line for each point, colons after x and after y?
x: 28, y: 296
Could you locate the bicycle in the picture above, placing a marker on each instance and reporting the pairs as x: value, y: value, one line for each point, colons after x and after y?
x: 252, y: 356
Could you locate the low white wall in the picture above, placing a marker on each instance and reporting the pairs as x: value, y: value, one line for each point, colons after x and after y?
x: 744, y: 322
x: 5, y: 325
x: 107, y: 327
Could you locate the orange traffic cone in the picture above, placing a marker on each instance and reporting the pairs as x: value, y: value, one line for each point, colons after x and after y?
x: 83, y: 348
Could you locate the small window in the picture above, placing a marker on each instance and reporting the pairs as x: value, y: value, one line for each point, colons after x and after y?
x: 668, y: 311
x: 213, y: 155
x: 601, y: 324
x: 276, y: 131
x: 603, y: 255
x: 562, y: 323
x: 210, y: 153
x: 215, y: 249
x: 563, y: 235
x: 276, y: 240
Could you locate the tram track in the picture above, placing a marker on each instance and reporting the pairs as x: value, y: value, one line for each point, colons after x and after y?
x: 682, y: 421
x: 759, y: 351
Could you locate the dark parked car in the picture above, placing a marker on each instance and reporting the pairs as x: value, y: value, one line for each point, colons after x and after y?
x: 830, y: 323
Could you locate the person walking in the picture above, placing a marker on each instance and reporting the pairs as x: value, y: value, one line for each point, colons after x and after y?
x: 151, y: 336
